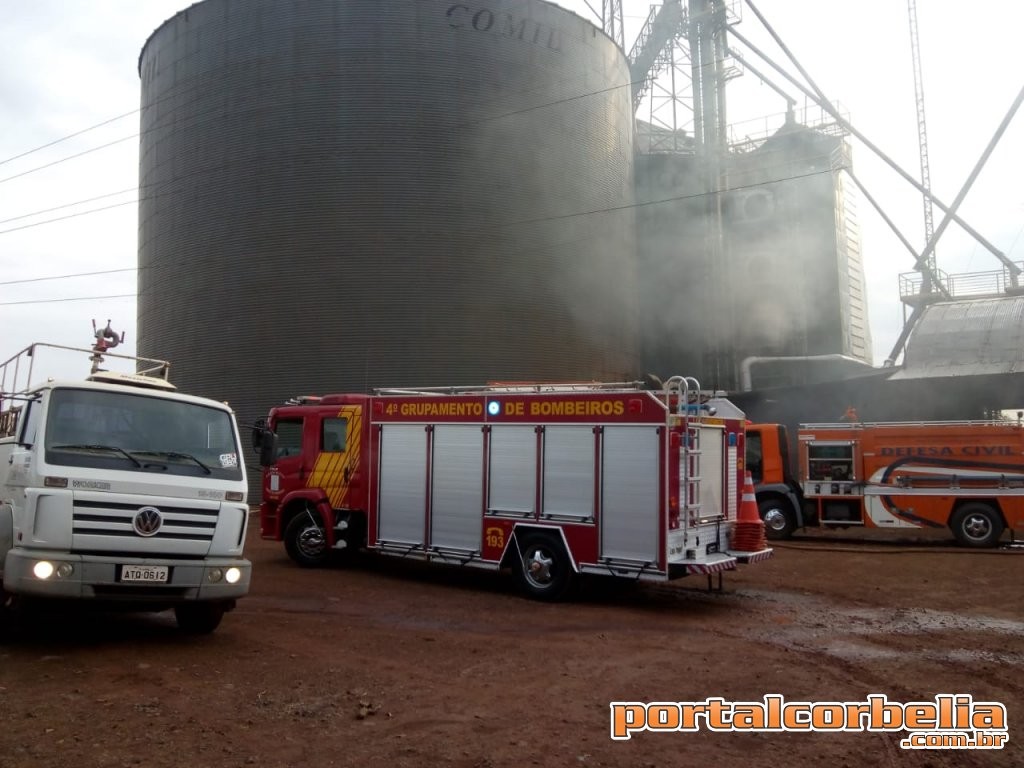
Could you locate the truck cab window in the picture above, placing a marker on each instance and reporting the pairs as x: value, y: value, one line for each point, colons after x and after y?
x: 28, y: 433
x: 333, y: 434
x: 289, y: 437
x: 755, y: 462
x: 9, y: 421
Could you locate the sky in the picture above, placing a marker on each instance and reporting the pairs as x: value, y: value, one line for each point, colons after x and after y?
x: 68, y: 195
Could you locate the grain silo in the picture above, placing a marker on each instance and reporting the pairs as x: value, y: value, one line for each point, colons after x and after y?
x: 341, y: 194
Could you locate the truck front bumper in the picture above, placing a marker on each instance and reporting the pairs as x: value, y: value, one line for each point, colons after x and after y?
x: 99, y: 578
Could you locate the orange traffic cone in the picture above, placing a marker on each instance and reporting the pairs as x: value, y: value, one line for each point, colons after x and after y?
x: 748, y: 533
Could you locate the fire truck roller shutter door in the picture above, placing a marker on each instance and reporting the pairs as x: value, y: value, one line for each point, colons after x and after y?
x: 457, y: 493
x: 629, y: 493
x: 403, y: 478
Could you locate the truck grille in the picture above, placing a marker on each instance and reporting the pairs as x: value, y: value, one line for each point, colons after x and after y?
x: 106, y: 525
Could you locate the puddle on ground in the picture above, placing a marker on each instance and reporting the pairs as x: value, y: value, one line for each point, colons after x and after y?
x: 812, y: 622
x: 850, y: 650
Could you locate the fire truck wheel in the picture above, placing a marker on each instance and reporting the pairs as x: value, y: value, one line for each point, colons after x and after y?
x: 304, y: 540
x: 544, y: 571
x: 977, y: 525
x: 199, y: 618
x: 779, y: 520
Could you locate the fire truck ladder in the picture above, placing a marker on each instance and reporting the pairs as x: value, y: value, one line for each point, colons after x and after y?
x: 689, y: 455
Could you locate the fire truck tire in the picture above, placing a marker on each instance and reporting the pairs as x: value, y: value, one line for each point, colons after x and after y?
x: 779, y: 519
x: 544, y: 571
x: 199, y: 618
x: 977, y: 525
x: 305, y: 541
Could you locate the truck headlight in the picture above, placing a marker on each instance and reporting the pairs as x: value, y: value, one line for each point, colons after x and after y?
x: 64, y: 570
x: 214, y: 575
x: 43, y: 569
x: 232, y: 575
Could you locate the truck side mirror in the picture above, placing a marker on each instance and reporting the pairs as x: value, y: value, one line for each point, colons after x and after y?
x: 256, y: 433
x: 267, y: 447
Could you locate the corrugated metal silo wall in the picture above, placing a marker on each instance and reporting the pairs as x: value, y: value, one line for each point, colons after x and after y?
x: 342, y: 194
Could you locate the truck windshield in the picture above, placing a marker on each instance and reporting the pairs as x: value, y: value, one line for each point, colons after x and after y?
x: 139, y: 433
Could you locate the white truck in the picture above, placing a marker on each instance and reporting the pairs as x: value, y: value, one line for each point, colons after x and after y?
x: 119, y: 490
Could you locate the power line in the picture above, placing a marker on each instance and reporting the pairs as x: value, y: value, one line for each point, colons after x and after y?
x: 205, y: 169
x: 218, y: 108
x: 763, y: 153
x: 66, y: 277
x: 69, y: 216
x: 610, y: 209
x: 69, y: 157
x: 525, y: 221
x: 68, y: 205
x: 673, y: 199
x: 73, y: 298
x: 100, y: 124
x: 176, y: 94
x: 69, y: 136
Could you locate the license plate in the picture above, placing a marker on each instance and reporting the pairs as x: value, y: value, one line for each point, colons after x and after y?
x: 150, y: 573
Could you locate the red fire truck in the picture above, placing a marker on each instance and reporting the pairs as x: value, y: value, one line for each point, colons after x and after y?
x: 967, y: 476
x: 548, y: 480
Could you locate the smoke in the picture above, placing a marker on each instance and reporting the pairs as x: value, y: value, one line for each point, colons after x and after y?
x: 782, y: 276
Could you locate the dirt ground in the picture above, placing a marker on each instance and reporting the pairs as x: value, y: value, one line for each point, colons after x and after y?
x: 388, y: 663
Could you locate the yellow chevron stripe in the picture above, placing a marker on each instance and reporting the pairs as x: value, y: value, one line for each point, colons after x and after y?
x: 329, y: 468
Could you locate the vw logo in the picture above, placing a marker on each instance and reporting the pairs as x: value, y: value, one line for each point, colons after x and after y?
x: 147, y: 521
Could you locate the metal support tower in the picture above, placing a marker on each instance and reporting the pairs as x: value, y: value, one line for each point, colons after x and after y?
x: 682, y: 59
x: 707, y: 29
x: 652, y: 52
x: 922, y: 142
x: 611, y: 19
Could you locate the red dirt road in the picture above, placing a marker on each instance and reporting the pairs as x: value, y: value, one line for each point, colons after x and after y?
x: 387, y: 663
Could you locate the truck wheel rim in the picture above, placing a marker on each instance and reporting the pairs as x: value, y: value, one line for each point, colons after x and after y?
x: 311, y: 541
x: 775, y: 519
x: 977, y: 527
x: 538, y: 567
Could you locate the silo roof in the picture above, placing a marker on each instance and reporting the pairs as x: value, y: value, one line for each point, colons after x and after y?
x: 971, y: 337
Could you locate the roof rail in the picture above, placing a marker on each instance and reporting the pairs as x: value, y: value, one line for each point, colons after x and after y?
x: 513, y: 387
x: 16, y: 372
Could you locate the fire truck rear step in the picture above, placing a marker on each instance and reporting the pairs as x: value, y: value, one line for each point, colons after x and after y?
x: 712, y: 563
x: 751, y: 557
